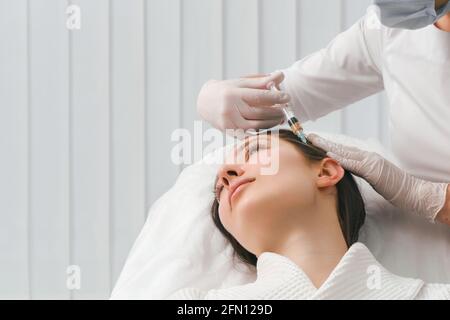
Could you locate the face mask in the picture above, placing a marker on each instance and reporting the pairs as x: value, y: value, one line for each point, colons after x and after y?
x: 409, y: 14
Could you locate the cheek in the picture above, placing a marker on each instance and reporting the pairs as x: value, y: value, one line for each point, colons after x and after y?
x: 297, y: 192
x: 297, y: 186
x: 279, y: 192
x: 258, y: 199
x: 291, y: 186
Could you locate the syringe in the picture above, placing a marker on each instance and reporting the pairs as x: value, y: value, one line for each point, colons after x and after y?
x: 291, y: 119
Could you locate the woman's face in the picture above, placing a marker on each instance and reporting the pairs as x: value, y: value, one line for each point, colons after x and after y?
x: 260, y: 209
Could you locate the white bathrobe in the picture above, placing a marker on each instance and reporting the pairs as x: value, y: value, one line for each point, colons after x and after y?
x: 358, y: 275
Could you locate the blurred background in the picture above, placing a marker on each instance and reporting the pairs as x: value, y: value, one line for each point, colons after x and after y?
x: 86, y: 117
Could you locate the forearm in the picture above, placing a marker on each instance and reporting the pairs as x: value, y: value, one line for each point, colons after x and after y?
x: 444, y: 214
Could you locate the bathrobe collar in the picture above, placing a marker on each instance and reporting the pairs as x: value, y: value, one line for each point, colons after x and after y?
x: 358, y: 275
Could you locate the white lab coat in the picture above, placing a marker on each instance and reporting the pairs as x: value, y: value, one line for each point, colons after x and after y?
x: 413, y: 66
x: 357, y: 276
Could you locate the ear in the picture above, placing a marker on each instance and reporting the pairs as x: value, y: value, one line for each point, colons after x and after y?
x: 330, y: 173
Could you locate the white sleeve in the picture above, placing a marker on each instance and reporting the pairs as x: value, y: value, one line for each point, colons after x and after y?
x: 434, y: 291
x: 188, y: 294
x: 347, y: 70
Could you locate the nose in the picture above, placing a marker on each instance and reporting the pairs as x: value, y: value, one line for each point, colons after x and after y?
x: 229, y: 172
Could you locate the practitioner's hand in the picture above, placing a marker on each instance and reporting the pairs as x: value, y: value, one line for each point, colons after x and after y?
x: 394, y: 184
x: 244, y: 103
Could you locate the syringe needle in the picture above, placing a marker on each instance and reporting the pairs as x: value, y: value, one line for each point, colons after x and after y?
x: 292, y: 120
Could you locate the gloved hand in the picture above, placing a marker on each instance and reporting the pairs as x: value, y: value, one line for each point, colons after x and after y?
x: 244, y: 103
x: 394, y: 184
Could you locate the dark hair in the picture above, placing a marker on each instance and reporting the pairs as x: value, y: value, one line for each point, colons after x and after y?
x: 350, y: 205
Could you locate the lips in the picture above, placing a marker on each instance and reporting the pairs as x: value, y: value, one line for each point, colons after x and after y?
x: 235, y: 184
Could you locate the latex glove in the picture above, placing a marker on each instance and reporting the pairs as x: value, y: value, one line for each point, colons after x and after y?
x: 403, y: 190
x: 244, y: 103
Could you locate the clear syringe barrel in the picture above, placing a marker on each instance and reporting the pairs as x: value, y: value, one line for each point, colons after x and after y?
x: 288, y: 111
x: 291, y: 118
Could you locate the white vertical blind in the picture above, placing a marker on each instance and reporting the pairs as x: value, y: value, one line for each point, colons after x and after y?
x: 86, y: 117
x: 14, y: 151
x: 327, y: 21
x: 49, y: 150
x: 90, y: 149
x: 127, y: 105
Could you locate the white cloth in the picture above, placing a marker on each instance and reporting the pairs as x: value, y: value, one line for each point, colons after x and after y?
x: 413, y: 66
x: 358, y: 275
